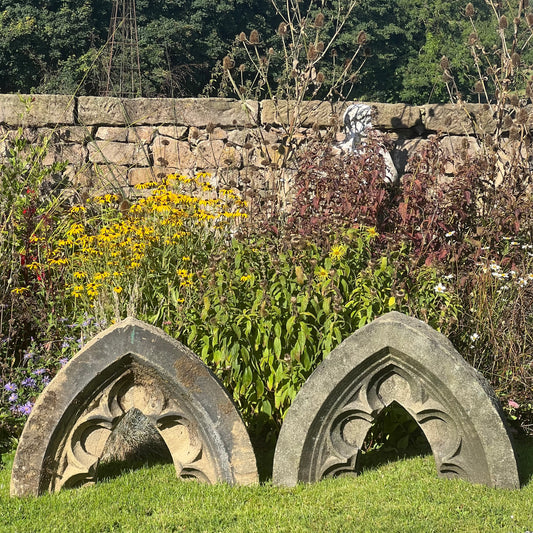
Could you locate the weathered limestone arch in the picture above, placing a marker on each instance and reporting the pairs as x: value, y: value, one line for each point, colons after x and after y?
x: 395, y: 359
x: 129, y: 366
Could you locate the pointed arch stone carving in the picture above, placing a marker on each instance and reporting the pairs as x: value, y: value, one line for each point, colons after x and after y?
x: 399, y: 359
x: 132, y: 365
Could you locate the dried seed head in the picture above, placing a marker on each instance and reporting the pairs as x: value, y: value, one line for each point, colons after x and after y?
x: 478, y: 87
x: 319, y: 20
x: 444, y: 63
x: 469, y: 11
x: 507, y: 122
x: 502, y: 23
x: 516, y: 21
x: 312, y: 53
x: 525, y: 3
x: 283, y: 29
x: 254, y: 37
x: 515, y: 101
x: 315, y: 127
x: 334, y: 52
x: 271, y: 51
x: 514, y: 133
x: 293, y: 73
x: 320, y: 46
x: 529, y: 19
x: 228, y: 63
x: 242, y: 67
x: 263, y: 60
x: 320, y: 77
x: 522, y: 117
x: 242, y: 37
x: 515, y: 59
x: 529, y: 90
x: 353, y: 78
x: 242, y: 89
x: 472, y: 38
x: 361, y: 38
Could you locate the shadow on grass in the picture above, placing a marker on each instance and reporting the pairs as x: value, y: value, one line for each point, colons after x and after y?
x: 523, y: 446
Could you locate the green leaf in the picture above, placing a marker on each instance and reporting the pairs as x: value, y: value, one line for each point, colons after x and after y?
x: 277, y: 347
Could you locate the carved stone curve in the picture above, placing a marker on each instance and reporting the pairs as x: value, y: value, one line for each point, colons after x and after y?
x: 131, y: 365
x: 398, y: 359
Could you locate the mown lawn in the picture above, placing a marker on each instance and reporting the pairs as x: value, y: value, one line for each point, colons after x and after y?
x: 400, y: 496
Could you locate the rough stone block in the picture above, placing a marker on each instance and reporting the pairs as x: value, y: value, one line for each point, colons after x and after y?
x: 223, y: 112
x: 129, y: 370
x: 455, y: 119
x: 173, y: 154
x: 174, y: 132
x: 323, y: 114
x: 115, y: 134
x: 36, y: 110
x: 395, y: 359
x: 126, y: 154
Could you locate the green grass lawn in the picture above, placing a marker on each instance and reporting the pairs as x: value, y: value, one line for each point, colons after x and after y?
x: 401, y: 496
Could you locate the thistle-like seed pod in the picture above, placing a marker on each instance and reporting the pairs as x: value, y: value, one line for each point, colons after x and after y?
x: 502, y: 23
x: 271, y: 51
x: 515, y: 101
x: 469, y: 11
x: 525, y: 3
x: 320, y: 46
x: 522, y: 117
x: 515, y: 59
x: 282, y: 29
x: 319, y: 20
x: 444, y: 63
x: 361, y: 38
x: 478, y: 87
x: 254, y: 37
x: 320, y: 78
x: 242, y: 37
x: 228, y: 63
x: 514, y: 133
x: 529, y: 19
x: 242, y: 67
x: 311, y: 52
x: 507, y: 122
x: 472, y: 38
x: 516, y: 21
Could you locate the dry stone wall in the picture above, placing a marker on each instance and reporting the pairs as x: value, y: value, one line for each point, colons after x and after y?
x: 124, y: 142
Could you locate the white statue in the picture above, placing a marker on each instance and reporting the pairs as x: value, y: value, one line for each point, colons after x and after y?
x: 357, y: 126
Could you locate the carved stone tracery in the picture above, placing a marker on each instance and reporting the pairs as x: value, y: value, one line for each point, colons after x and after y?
x: 395, y: 359
x: 81, y: 447
x: 135, y: 374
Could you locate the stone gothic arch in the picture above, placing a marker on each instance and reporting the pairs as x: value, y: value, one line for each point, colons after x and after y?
x: 401, y: 359
x: 129, y: 366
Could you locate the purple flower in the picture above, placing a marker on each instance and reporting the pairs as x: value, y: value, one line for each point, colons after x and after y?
x: 46, y: 380
x: 29, y: 382
x: 39, y: 371
x: 10, y: 387
x: 63, y: 361
x: 13, y: 397
x: 26, y: 408
x: 28, y: 355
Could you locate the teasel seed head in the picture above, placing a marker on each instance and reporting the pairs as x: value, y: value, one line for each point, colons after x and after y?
x: 320, y: 46
x: 472, y: 38
x: 228, y: 63
x: 320, y: 77
x: 502, y: 23
x: 478, y: 87
x: 515, y: 101
x: 242, y: 37
x: 529, y: 19
x: 311, y: 52
x: 283, y: 29
x: 515, y: 59
x: 319, y: 20
x: 469, y: 11
x: 444, y: 63
x: 522, y: 117
x: 361, y: 38
x: 254, y: 37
